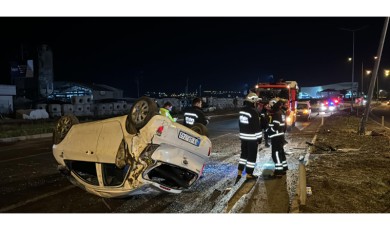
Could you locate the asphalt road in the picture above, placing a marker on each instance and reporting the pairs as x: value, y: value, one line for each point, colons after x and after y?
x: 30, y: 182
x: 381, y: 111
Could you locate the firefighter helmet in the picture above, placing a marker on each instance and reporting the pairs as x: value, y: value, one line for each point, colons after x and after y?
x: 252, y: 97
x: 272, y: 102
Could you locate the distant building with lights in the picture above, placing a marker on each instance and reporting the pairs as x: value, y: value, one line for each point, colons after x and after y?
x: 64, y: 91
x: 343, y: 88
x: 205, y: 93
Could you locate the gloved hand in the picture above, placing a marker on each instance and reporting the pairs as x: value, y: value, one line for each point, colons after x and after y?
x: 259, y: 141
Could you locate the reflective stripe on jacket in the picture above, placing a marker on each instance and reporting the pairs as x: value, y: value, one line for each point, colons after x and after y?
x: 249, y: 124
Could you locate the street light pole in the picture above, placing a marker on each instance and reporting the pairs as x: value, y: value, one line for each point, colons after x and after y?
x: 362, y: 79
x: 353, y: 67
x: 353, y: 59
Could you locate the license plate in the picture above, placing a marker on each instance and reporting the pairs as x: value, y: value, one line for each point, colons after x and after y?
x: 189, y: 138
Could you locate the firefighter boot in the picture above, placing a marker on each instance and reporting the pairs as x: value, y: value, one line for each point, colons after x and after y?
x: 238, y: 176
x: 251, y: 177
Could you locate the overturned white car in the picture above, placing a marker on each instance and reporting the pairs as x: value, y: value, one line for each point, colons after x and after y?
x: 132, y: 154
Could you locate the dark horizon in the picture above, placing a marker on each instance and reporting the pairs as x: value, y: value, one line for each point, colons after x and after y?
x: 221, y: 53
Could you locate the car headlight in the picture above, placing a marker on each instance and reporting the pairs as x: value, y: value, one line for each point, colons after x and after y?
x: 305, y: 111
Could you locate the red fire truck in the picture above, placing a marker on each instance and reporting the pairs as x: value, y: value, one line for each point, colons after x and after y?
x: 287, y: 92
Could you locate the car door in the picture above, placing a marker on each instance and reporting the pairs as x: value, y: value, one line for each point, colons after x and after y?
x: 110, y: 139
x: 80, y: 144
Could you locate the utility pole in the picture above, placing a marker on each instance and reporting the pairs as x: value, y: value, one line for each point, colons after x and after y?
x: 377, y: 88
x: 374, y: 76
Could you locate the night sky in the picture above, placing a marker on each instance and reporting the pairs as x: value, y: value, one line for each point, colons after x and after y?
x: 218, y: 53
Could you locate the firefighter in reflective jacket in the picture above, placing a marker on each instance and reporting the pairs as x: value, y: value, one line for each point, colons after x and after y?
x: 276, y: 134
x: 195, y: 114
x: 250, y: 136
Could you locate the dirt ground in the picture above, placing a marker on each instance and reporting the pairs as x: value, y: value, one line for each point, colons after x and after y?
x: 353, y: 177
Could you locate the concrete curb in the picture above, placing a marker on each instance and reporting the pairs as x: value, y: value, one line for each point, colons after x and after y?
x: 301, y: 193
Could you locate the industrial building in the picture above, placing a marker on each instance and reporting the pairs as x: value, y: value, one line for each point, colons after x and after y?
x: 33, y: 87
x: 343, y: 88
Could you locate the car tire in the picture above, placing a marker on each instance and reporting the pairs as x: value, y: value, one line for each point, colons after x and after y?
x: 62, y: 127
x: 140, y: 114
x: 200, y: 128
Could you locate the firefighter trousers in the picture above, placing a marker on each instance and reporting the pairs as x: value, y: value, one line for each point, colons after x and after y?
x: 278, y: 155
x: 248, y: 156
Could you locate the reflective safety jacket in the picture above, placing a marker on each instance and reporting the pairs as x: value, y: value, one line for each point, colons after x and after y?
x: 276, y: 128
x: 194, y: 115
x: 249, y: 124
x: 165, y: 112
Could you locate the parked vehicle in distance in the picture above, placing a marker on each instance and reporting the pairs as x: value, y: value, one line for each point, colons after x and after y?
x: 138, y: 153
x: 304, y: 110
x: 330, y: 104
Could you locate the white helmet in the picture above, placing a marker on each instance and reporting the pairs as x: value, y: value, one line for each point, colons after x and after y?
x: 252, y: 97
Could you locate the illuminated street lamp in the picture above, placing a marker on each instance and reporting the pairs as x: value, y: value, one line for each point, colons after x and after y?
x: 368, y: 72
x: 386, y: 74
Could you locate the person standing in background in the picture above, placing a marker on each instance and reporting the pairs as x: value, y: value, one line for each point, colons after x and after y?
x: 166, y: 111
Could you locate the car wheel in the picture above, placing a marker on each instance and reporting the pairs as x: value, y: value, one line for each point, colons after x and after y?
x: 63, y: 125
x: 140, y: 114
x: 200, y: 128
